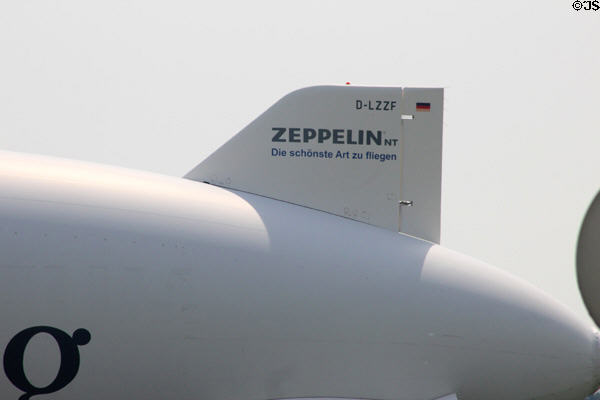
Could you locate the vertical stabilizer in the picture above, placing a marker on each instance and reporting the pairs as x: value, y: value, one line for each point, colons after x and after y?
x: 422, y: 163
x: 357, y: 152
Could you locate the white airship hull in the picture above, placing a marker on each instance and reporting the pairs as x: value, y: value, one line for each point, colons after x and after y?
x: 191, y: 291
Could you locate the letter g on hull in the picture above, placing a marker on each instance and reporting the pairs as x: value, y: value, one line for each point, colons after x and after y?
x: 69, y: 359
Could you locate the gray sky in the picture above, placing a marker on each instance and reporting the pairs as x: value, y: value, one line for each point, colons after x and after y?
x: 160, y: 85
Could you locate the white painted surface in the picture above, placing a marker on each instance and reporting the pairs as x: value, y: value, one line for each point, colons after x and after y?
x: 448, y: 397
x: 194, y: 291
x: 159, y: 86
x: 345, y: 150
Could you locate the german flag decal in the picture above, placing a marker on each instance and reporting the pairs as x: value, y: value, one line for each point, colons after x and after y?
x: 423, y: 107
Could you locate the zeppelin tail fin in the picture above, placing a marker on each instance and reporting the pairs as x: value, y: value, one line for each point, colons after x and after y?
x: 372, y: 154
